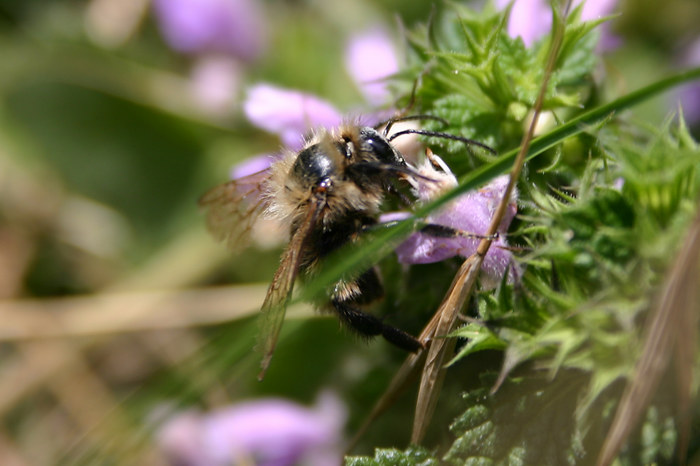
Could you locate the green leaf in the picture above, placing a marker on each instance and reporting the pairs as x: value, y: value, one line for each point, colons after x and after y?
x: 413, y: 456
x: 528, y: 421
x: 479, y: 338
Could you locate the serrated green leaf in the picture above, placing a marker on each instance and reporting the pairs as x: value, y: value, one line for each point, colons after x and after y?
x: 528, y: 421
x: 413, y: 456
x: 478, y: 339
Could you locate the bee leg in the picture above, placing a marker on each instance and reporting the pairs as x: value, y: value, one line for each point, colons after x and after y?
x: 432, y: 229
x: 369, y: 325
x: 393, y: 190
x: 443, y: 231
x: 401, y: 339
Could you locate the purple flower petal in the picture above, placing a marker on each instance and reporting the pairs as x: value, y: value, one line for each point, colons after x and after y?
x: 688, y: 94
x: 529, y: 19
x: 181, y: 441
x: 370, y: 57
x: 252, y: 165
x: 689, y: 100
x: 532, y: 19
x: 470, y: 213
x: 233, y: 27
x: 214, y: 84
x: 272, y: 432
x: 596, y: 9
x: 288, y: 113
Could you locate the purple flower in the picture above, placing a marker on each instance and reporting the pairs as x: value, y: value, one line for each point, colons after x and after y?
x: 252, y: 165
x: 529, y: 19
x: 688, y: 95
x: 532, y: 19
x: 214, y: 82
x: 270, y: 432
x: 230, y: 27
x: 470, y: 213
x: 596, y: 9
x: 370, y: 58
x: 291, y: 114
x: 288, y: 113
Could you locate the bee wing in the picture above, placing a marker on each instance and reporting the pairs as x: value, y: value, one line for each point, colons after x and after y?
x: 280, y: 290
x: 233, y: 207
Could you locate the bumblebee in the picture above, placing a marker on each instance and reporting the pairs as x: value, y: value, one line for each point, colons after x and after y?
x: 329, y: 193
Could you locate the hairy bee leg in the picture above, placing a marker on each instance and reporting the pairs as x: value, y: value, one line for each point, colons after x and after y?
x: 369, y: 325
x: 401, y: 339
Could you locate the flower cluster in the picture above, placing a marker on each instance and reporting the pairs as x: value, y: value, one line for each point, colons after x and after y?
x: 227, y: 27
x: 221, y: 36
x: 292, y: 114
x: 288, y: 113
x: 470, y: 214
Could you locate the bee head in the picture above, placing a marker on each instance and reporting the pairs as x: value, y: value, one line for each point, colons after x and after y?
x: 375, y: 143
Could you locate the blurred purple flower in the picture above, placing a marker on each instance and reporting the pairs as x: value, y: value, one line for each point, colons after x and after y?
x: 532, y: 19
x: 252, y: 165
x: 688, y: 95
x: 529, y: 19
x: 596, y: 9
x: 214, y: 82
x: 270, y: 432
x: 230, y: 27
x: 470, y: 213
x: 291, y: 114
x: 369, y: 58
x: 288, y: 113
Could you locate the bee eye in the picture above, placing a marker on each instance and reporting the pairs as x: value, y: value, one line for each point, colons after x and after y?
x: 380, y: 147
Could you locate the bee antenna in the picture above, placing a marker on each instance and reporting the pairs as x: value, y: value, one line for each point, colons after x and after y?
x: 438, y: 134
x: 390, y: 122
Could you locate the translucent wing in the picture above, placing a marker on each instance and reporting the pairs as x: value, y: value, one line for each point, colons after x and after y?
x: 233, y: 207
x: 280, y: 290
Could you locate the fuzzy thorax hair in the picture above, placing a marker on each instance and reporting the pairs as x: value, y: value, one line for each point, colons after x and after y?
x: 290, y: 191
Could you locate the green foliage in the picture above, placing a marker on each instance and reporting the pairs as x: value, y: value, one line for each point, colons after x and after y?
x: 598, y: 226
x: 528, y: 421
x: 485, y: 83
x: 595, y: 264
x: 413, y: 456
